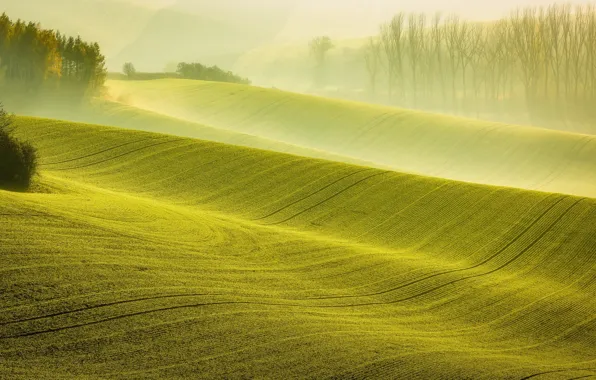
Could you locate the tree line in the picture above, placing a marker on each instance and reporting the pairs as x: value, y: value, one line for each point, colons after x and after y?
x: 36, y: 60
x: 542, y: 58
x: 196, y: 71
x: 213, y: 73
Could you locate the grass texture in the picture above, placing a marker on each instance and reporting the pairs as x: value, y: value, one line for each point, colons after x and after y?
x: 145, y: 255
x: 404, y: 140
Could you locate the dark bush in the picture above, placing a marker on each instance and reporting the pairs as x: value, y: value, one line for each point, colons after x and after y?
x: 18, y: 159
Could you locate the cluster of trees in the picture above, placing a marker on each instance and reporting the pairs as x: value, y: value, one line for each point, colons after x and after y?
x: 18, y: 159
x: 213, y: 73
x: 184, y: 70
x: 33, y: 60
x: 542, y: 58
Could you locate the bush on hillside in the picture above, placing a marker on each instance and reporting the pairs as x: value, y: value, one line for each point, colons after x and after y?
x: 18, y: 159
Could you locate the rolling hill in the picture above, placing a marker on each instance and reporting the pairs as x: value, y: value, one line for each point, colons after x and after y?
x: 118, y: 114
x: 434, y: 145
x: 213, y: 33
x: 145, y: 255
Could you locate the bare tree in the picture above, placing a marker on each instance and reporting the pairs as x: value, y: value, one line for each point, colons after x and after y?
x: 416, y: 47
x: 476, y: 58
x: 577, y: 48
x: 495, y: 44
x: 437, y: 38
x: 547, y: 57
x: 387, y: 48
x: 372, y: 57
x: 554, y: 46
x: 392, y: 42
x: 319, y: 46
x: 566, y: 28
x: 455, y: 38
x: 528, y: 44
x: 129, y: 70
x: 590, y: 74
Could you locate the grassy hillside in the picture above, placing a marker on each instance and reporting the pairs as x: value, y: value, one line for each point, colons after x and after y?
x: 147, y: 256
x: 437, y: 145
x: 113, y: 113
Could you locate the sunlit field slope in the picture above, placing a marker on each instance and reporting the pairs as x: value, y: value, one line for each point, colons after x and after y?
x: 113, y: 113
x: 153, y: 256
x: 436, y: 145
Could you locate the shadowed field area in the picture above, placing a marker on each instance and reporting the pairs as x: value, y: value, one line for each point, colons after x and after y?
x: 435, y: 145
x: 146, y: 255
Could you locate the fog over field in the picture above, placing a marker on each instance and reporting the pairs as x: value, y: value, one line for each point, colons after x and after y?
x: 297, y: 189
x: 222, y: 30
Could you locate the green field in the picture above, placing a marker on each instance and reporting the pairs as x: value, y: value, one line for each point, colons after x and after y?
x: 144, y: 255
x: 107, y: 112
x: 434, y: 145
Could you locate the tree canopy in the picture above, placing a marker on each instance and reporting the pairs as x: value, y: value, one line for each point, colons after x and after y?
x: 34, y: 59
x: 213, y: 73
x: 319, y: 46
x: 129, y: 70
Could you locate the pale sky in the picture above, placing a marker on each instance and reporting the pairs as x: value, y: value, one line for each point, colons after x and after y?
x: 482, y: 9
x: 351, y: 18
x: 117, y: 27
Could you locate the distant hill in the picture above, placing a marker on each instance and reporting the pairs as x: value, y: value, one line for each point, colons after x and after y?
x: 212, y: 33
x: 172, y: 35
x: 404, y: 140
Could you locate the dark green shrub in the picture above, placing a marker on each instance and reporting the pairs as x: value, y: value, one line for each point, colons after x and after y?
x: 18, y: 159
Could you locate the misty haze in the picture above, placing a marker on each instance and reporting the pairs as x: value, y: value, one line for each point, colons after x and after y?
x: 297, y: 189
